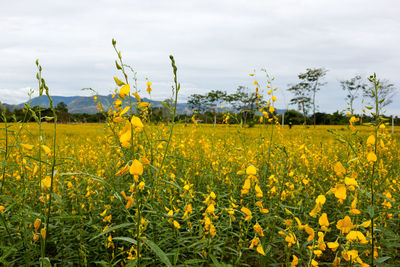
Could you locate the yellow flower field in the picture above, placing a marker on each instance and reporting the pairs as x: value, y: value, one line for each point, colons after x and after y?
x: 224, y: 195
x: 133, y: 193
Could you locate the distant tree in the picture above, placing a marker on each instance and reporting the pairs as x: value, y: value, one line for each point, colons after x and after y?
x: 302, y: 98
x: 214, y: 99
x: 386, y: 93
x: 312, y: 79
x: 197, y: 102
x: 245, y: 102
x: 62, y: 112
x: 352, y: 88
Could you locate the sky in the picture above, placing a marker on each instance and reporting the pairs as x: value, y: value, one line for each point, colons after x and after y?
x: 216, y: 44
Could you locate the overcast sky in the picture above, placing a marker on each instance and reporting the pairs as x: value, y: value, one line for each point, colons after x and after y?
x: 216, y: 44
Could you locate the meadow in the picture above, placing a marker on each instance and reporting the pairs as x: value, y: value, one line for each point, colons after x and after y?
x: 133, y: 193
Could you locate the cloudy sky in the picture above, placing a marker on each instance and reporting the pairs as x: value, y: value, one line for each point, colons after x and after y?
x: 216, y: 44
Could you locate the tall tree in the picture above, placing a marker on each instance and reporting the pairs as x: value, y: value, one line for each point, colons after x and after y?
x: 214, y: 99
x: 197, y: 102
x: 385, y: 93
x: 312, y: 78
x: 245, y: 102
x: 352, y: 88
x: 302, y: 98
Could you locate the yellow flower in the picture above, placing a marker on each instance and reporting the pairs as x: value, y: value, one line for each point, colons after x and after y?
x: 323, y: 221
x: 344, y: 225
x: 356, y: 236
x: 340, y: 191
x: 260, y: 250
x: 141, y: 186
x: 118, y: 81
x: 274, y: 98
x: 36, y: 224
x: 310, y: 232
x: 148, y: 87
x: 46, y: 150
x: 177, y: 225
x: 26, y: 146
x: 271, y: 109
x: 247, y: 212
x: 259, y: 193
x: 136, y: 122
x: 258, y: 229
x: 371, y: 140
x: 366, y: 224
x: 124, y: 91
x: 251, y: 170
x: 339, y: 169
x: 333, y: 245
x: 314, y: 263
x: 2, y: 209
x: 136, y: 169
x: 321, y: 199
x: 295, y: 261
x: 371, y: 157
x: 351, y: 254
x: 46, y: 182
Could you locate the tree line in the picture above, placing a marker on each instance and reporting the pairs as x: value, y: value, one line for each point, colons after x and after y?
x: 242, y: 105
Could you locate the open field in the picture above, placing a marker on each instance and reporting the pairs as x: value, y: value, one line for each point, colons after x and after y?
x: 259, y: 196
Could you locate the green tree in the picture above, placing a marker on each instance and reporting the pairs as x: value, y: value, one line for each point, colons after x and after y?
x: 312, y: 79
x: 352, y: 88
x: 386, y: 93
x: 301, y: 98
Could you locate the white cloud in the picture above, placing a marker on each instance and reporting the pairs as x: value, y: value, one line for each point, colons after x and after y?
x: 215, y: 43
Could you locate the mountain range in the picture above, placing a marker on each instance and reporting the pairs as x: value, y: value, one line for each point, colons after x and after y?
x: 86, y: 104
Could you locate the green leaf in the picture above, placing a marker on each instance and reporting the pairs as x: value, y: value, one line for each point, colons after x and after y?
x: 161, y: 254
x: 382, y: 259
x: 112, y: 229
x: 118, y: 81
x: 127, y: 239
x: 45, y: 262
x: 165, y: 105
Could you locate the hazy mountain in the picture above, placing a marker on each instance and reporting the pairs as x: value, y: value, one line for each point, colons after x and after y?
x: 86, y: 104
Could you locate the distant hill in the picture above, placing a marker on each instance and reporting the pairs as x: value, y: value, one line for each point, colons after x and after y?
x: 85, y: 104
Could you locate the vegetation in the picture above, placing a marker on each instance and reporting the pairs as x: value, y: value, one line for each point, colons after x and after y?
x: 131, y: 192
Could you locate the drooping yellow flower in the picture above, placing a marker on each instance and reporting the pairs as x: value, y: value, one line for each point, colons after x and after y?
x: 260, y: 250
x: 366, y: 224
x: 340, y: 192
x: 295, y: 261
x: 344, y: 225
x: 356, y: 236
x: 118, y: 81
x: 124, y: 91
x: 46, y: 150
x: 258, y: 229
x: 339, y: 169
x: 259, y: 192
x: 323, y: 221
x: 371, y: 157
x: 310, y: 232
x: 314, y: 263
x: 290, y: 238
x: 350, y: 255
x: 177, y: 225
x: 148, y: 87
x: 321, y: 199
x: 46, y: 182
x: 2, y: 209
x: 137, y: 123
x: 26, y: 146
x: 136, y: 169
x: 274, y: 98
x: 251, y: 170
x: 36, y: 224
x: 371, y: 140
x: 333, y: 245
x: 247, y: 212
